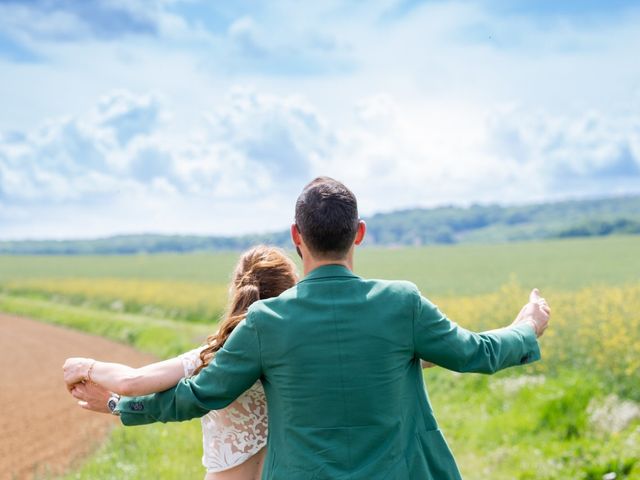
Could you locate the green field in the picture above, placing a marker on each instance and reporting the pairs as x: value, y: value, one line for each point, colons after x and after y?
x: 438, y: 270
x: 574, y: 415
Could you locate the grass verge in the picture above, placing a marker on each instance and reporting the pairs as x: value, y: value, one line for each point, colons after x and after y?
x: 163, y: 338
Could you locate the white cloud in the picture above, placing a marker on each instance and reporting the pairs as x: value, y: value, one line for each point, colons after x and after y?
x: 582, y: 154
x: 127, y: 115
x: 254, y: 148
x: 283, y: 135
x: 255, y: 151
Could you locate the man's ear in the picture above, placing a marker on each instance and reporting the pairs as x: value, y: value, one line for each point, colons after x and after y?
x: 296, y: 238
x: 295, y: 235
x: 362, y: 229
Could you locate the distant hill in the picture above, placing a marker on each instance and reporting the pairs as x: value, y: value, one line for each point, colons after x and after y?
x: 419, y: 226
x: 493, y: 223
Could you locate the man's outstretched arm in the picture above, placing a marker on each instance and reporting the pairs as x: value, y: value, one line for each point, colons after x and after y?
x: 234, y: 369
x: 443, y: 342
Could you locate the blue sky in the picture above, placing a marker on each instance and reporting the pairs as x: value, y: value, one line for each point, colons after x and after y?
x: 208, y: 117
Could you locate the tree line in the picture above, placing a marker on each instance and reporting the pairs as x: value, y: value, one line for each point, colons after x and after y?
x: 418, y: 226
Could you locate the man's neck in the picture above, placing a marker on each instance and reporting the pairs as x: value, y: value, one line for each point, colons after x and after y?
x: 310, y: 264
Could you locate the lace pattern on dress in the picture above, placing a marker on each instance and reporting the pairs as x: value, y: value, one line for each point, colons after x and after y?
x: 234, y: 434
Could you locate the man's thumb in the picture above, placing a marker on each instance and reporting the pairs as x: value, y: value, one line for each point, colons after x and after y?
x: 535, y: 295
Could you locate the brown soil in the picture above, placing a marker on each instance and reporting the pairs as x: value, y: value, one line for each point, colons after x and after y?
x: 42, y: 430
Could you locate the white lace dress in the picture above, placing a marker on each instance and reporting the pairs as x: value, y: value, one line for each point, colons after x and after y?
x: 234, y: 434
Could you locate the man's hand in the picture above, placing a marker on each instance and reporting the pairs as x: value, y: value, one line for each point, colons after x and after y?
x: 537, y: 313
x: 91, y: 396
x: 76, y: 370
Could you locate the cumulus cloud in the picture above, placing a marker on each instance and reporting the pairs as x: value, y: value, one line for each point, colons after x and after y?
x: 255, y: 147
x: 128, y: 115
x: 586, y: 152
x: 248, y: 158
x: 75, y: 158
x: 285, y: 136
x: 400, y: 155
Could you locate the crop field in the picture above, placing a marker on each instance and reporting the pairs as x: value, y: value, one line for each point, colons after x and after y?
x: 573, y: 415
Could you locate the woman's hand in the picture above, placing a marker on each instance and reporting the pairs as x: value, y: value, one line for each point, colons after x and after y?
x: 123, y: 379
x: 76, y: 370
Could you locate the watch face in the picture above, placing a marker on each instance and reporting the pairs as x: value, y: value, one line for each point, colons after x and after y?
x: 112, y: 404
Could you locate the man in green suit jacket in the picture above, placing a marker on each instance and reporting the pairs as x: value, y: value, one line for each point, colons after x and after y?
x: 340, y: 360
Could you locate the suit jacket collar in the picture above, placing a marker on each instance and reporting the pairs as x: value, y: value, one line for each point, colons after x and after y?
x: 329, y: 271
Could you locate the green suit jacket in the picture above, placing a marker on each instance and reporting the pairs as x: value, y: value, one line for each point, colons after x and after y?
x: 339, y: 358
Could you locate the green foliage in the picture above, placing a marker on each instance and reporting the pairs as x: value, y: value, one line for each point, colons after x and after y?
x: 593, y: 228
x: 538, y: 430
x: 564, y: 412
x: 162, y: 451
x: 493, y: 223
x: 622, y: 467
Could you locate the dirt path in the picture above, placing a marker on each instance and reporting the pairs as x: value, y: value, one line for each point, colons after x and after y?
x: 42, y: 431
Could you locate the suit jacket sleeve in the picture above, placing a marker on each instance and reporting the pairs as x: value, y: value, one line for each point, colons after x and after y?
x: 443, y: 342
x: 234, y: 368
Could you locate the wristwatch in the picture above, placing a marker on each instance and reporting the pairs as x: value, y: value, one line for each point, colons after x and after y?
x: 112, y: 403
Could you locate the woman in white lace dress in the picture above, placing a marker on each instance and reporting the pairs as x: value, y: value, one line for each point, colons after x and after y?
x: 235, y: 437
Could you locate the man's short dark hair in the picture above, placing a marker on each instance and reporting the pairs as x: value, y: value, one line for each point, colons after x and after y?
x: 327, y: 217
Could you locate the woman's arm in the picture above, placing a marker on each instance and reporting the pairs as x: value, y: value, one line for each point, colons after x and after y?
x: 122, y: 379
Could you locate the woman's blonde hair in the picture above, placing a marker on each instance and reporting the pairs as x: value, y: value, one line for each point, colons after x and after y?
x: 262, y: 272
